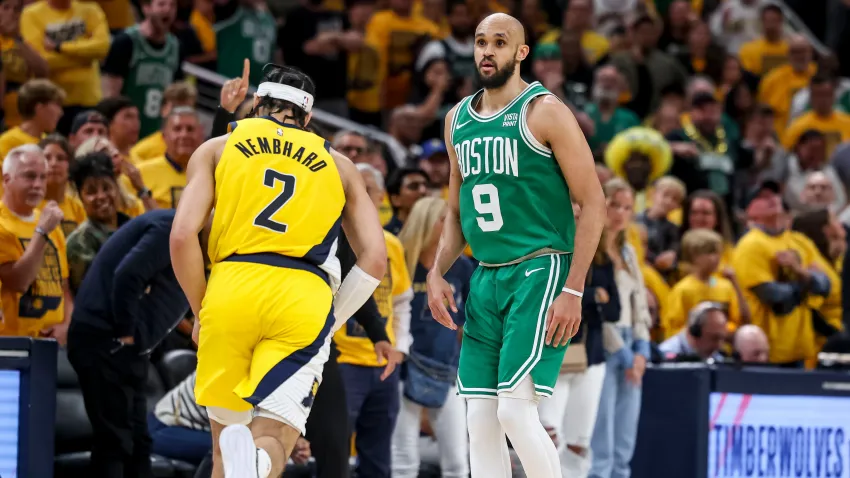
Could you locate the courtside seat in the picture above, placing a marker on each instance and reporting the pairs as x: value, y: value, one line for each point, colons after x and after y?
x: 176, y: 365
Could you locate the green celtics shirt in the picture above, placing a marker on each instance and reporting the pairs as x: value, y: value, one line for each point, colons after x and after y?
x: 151, y: 71
x: 248, y: 33
x: 514, y: 200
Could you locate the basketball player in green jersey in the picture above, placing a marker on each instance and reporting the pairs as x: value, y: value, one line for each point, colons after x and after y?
x: 518, y: 155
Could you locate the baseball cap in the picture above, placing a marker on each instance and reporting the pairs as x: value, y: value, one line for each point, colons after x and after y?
x: 547, y: 51
x: 703, y: 98
x: 85, y: 117
x: 765, y: 185
x: 432, y: 147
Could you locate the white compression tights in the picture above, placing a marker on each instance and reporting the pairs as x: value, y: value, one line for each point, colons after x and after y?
x: 514, y: 414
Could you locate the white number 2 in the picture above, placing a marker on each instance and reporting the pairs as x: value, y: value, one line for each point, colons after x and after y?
x: 490, y: 207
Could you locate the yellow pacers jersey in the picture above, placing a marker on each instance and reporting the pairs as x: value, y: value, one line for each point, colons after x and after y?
x: 73, y: 213
x: 277, y: 190
x: 166, y: 180
x: 42, y: 304
x: 150, y: 147
x: 689, y: 292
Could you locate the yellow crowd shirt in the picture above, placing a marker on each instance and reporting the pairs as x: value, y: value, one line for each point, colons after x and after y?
x: 16, y: 72
x: 398, y: 40
x: 150, y: 147
x: 12, y: 139
x: 366, y: 75
x: 354, y: 346
x: 778, y: 87
x: 689, y: 292
x: 119, y: 13
x: 835, y: 127
x: 43, y: 304
x: 791, y: 336
x: 443, y: 24
x: 656, y: 285
x: 204, y: 30
x: 760, y: 56
x: 73, y: 213
x: 829, y: 306
x: 83, y: 33
x: 166, y: 180
x: 595, y: 46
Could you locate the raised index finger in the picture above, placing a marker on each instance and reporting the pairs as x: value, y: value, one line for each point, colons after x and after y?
x: 246, y: 72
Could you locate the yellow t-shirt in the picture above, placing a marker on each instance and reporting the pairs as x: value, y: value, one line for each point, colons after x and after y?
x: 595, y: 46
x: 398, y: 40
x: 385, y: 212
x: 166, y: 180
x: 12, y: 139
x: 351, y: 340
x: 204, y: 30
x: 835, y: 127
x: 73, y: 213
x: 791, y: 336
x: 689, y: 292
x: 17, y: 72
x: 656, y: 285
x: 119, y: 13
x: 443, y: 24
x: 84, y: 33
x: 778, y: 87
x: 43, y: 304
x: 760, y: 56
x: 366, y: 75
x: 149, y: 147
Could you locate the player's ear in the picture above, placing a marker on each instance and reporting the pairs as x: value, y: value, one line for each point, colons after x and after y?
x: 522, y: 53
x: 308, y: 118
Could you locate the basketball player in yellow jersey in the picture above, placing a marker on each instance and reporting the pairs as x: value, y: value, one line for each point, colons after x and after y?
x: 266, y: 317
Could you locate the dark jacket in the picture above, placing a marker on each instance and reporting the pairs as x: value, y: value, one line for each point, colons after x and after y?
x: 595, y: 313
x: 130, y: 288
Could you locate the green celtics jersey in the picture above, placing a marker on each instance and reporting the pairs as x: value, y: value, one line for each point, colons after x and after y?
x: 514, y: 201
x: 151, y: 71
x: 248, y: 34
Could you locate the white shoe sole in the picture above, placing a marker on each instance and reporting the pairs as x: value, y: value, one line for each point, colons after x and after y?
x: 238, y: 452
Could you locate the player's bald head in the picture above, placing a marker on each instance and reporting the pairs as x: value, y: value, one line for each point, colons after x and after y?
x: 502, y: 24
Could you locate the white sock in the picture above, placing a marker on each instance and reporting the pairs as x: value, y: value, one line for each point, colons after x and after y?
x: 518, y: 416
x: 264, y: 463
x: 488, y: 450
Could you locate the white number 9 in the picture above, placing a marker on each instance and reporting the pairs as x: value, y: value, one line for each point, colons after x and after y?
x: 491, y: 207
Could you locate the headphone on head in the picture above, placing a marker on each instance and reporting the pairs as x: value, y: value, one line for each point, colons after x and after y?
x: 698, y: 315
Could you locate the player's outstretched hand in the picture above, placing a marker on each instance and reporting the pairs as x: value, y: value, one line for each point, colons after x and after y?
x: 563, y: 319
x: 233, y: 91
x: 439, y: 294
x: 386, y: 351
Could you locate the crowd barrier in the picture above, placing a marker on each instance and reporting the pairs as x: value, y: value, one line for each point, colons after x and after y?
x: 700, y: 421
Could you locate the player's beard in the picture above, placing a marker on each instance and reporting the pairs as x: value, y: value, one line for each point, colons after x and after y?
x: 499, y: 78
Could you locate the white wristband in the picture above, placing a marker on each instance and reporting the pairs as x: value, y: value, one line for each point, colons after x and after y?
x: 573, y: 292
x: 355, y: 290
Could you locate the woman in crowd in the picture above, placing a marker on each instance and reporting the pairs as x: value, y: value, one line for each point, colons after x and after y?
x: 431, y: 368
x: 125, y: 173
x: 94, y: 179
x: 704, y: 209
x: 59, y: 155
x: 570, y: 415
x: 626, y: 341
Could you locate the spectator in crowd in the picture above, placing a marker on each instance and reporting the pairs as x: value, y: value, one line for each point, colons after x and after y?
x: 317, y: 40
x: 116, y: 324
x: 609, y: 119
x: 143, y: 60
x: 87, y: 124
x: 40, y: 107
x: 358, y: 149
x: 122, y: 116
x: 405, y: 186
x: 176, y: 95
x: 576, y: 76
x: 778, y: 277
x: 365, y: 76
x: 59, y: 158
x: 648, y: 70
x: 736, y: 22
x: 455, y: 49
x: 818, y: 191
x: 704, y: 209
x: 702, y: 338
x: 627, y: 342
x: 663, y: 235
x: 578, y: 18
x: 701, y: 249
x: 94, y: 179
x: 399, y: 36
x: 20, y: 62
x: 166, y: 175
x: 823, y: 117
x: 435, y: 162
x: 431, y: 368
x: 33, y: 267
x: 247, y: 28
x: 640, y: 156
x: 570, y: 414
x: 406, y: 126
x: 702, y: 56
x: 73, y: 37
x: 432, y: 96
x: 763, y: 54
x: 130, y: 204
x: 820, y: 227
x: 810, y: 157
x: 779, y: 86
x: 760, y: 143
x: 750, y: 344
x: 371, y: 386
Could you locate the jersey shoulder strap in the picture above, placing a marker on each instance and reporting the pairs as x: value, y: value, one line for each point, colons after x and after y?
x: 535, y: 90
x: 461, y: 115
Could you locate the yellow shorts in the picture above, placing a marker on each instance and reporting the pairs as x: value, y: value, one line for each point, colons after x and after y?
x: 265, y: 337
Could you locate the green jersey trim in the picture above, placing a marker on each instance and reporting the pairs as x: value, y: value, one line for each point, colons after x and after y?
x: 235, y: 18
x: 495, y: 115
x: 453, y: 124
x: 525, y: 132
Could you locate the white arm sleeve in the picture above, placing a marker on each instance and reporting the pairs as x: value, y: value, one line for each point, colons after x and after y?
x: 355, y: 290
x: 401, y: 321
